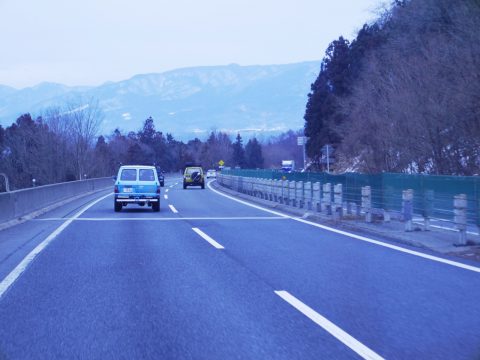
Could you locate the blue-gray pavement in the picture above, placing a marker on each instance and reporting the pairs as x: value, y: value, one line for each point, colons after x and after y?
x: 155, y: 289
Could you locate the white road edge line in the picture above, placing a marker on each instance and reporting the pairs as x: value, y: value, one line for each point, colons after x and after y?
x: 334, y: 330
x: 208, y: 238
x: 175, y: 211
x: 22, y: 266
x: 354, y: 236
x: 169, y: 219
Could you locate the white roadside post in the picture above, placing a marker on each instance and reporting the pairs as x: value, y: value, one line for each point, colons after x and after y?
x: 338, y: 200
x: 327, y: 198
x: 460, y: 217
x: 307, y: 193
x: 291, y: 193
x: 299, y: 195
x: 367, y: 203
x: 316, y: 196
x: 407, y: 208
x: 275, y: 190
x: 285, y: 192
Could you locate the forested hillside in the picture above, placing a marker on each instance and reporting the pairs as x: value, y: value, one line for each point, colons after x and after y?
x: 404, y: 95
x: 66, y: 144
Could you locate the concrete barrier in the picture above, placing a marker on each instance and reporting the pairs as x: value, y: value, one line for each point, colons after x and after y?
x: 19, y: 203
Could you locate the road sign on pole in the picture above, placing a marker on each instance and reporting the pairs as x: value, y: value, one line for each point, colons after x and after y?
x: 328, y: 150
x: 301, y: 141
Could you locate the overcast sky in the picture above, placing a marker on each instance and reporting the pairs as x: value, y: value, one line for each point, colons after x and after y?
x: 89, y: 42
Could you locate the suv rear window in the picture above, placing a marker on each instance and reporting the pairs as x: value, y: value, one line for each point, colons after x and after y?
x: 146, y: 175
x: 128, y: 175
x: 190, y: 171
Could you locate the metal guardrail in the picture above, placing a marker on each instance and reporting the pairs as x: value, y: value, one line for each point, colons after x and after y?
x: 332, y: 199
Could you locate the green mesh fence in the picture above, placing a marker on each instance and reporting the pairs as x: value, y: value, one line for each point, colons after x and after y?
x: 433, y: 195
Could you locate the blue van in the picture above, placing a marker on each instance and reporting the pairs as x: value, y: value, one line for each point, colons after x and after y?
x: 136, y: 184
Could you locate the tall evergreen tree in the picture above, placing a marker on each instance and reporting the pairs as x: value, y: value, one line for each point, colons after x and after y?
x: 253, y: 154
x: 238, y: 156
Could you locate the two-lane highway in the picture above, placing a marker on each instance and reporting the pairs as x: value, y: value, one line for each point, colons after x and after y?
x: 213, y: 278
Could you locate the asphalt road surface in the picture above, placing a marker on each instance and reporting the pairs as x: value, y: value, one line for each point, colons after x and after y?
x: 210, y: 277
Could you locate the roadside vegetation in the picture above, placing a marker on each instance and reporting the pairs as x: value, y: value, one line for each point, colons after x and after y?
x: 64, y: 145
x: 404, y: 95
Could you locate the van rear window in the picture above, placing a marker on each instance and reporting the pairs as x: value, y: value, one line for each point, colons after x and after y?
x: 146, y: 175
x: 128, y: 175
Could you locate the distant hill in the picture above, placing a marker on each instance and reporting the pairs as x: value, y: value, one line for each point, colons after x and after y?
x: 186, y: 102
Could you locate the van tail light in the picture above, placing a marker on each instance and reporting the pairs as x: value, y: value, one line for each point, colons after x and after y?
x: 116, y: 189
x: 158, y: 189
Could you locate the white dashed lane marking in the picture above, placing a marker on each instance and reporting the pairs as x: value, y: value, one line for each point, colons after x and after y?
x: 208, y: 238
x: 330, y: 327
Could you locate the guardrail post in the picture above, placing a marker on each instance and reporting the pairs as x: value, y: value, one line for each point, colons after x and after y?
x: 460, y: 217
x: 316, y: 196
x: 299, y: 194
x: 292, y: 201
x: 327, y: 198
x: 285, y: 192
x: 338, y: 200
x: 367, y: 203
x: 307, y: 193
x: 275, y: 190
x: 407, y: 208
x: 428, y: 198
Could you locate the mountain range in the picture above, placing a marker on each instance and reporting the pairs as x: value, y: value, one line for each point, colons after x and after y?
x: 255, y: 100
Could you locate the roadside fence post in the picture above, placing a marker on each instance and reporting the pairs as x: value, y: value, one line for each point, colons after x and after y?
x: 292, y: 201
x: 285, y: 192
x: 308, y: 195
x: 338, y: 201
x: 407, y: 208
x: 299, y: 194
x: 367, y: 203
x: 327, y: 198
x: 460, y: 217
x: 428, y: 199
x: 277, y: 189
x: 316, y: 198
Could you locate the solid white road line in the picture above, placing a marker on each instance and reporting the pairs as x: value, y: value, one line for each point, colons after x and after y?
x: 175, y: 211
x: 20, y: 268
x: 208, y: 238
x: 354, y: 236
x: 165, y: 196
x: 167, y: 219
x: 330, y: 327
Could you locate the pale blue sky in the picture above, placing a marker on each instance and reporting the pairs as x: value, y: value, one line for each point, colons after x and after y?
x: 89, y: 42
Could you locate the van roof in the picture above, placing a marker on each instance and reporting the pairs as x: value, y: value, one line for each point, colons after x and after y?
x: 137, y: 166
